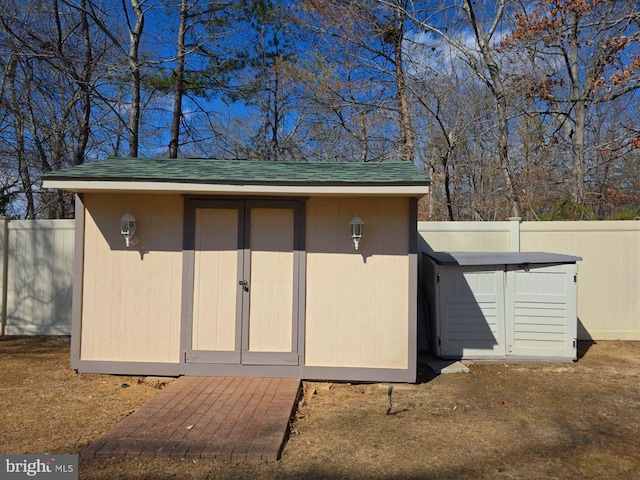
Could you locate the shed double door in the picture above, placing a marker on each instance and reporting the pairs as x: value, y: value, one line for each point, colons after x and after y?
x: 244, y: 283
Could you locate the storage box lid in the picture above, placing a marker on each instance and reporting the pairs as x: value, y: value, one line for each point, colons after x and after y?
x: 500, y: 258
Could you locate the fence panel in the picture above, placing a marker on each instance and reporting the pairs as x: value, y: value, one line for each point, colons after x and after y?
x: 608, y: 278
x: 39, y: 277
x: 464, y: 236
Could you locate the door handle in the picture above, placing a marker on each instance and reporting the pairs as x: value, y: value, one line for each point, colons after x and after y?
x: 244, y: 284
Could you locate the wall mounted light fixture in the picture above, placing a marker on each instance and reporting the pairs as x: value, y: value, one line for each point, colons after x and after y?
x: 128, y: 230
x: 356, y: 230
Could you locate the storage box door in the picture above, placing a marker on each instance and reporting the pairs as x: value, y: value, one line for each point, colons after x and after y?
x: 472, y: 312
x: 541, y: 318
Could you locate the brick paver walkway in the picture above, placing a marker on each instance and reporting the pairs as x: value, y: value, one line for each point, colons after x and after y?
x: 229, y: 418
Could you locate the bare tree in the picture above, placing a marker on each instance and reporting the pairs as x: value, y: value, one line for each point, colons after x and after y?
x: 50, y: 73
x: 367, y: 40
x: 581, y: 53
x: 482, y: 58
x: 19, y: 132
x: 133, y: 60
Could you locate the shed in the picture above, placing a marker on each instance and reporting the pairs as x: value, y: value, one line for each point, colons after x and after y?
x: 488, y: 305
x: 245, y: 268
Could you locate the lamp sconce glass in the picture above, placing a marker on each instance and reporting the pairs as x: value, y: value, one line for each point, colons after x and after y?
x: 356, y: 230
x: 128, y: 230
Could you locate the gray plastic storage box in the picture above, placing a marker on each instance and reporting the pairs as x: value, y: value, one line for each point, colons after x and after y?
x: 488, y: 305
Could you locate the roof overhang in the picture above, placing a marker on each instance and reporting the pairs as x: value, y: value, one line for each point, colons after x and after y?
x: 110, y: 186
x: 241, y: 177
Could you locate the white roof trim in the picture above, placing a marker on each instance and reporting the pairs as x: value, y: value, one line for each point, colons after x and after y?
x: 80, y: 186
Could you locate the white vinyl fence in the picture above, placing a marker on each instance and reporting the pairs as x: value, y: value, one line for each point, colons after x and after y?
x: 37, y: 276
x: 608, y: 276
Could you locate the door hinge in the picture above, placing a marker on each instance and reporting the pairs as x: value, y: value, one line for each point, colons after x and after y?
x: 438, y: 278
x: 574, y: 343
x: 439, y: 342
x: 575, y: 278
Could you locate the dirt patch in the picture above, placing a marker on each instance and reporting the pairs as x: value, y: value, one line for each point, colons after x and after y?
x: 501, y: 420
x: 45, y: 407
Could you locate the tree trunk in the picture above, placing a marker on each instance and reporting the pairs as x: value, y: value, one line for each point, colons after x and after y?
x: 134, y: 65
x: 447, y: 184
x: 84, y: 85
x: 179, y: 91
x: 407, y: 137
x: 23, y: 168
x: 503, y: 151
x: 497, y: 89
x: 363, y: 137
x: 275, y: 123
x: 576, y: 180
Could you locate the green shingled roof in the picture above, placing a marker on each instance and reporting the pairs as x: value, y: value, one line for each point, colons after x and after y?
x: 232, y: 172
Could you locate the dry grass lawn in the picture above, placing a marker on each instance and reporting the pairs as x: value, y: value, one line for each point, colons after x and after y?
x: 500, y: 421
